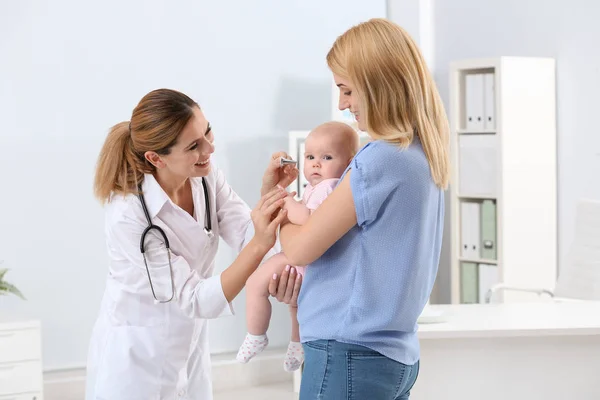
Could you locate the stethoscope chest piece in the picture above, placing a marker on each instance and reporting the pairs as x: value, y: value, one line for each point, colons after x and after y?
x: 207, y: 230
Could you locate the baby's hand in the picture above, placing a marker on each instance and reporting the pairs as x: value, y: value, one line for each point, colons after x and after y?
x: 297, y: 213
x: 286, y: 201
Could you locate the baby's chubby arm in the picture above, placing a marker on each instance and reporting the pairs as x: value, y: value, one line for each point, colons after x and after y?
x: 297, y: 211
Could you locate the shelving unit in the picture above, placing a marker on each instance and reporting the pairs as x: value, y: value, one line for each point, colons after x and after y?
x: 503, y: 191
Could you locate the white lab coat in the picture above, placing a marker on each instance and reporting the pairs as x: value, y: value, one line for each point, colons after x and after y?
x: 141, y: 350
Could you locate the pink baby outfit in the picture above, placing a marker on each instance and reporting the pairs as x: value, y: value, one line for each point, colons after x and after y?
x: 313, y: 197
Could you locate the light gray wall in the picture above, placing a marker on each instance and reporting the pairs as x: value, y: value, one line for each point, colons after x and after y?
x: 570, y: 33
x: 71, y: 69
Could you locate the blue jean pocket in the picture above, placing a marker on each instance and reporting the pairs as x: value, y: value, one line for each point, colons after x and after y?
x: 372, y: 375
x: 315, y: 369
x: 317, y: 345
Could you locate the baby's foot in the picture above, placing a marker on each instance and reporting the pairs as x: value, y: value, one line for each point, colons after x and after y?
x: 252, y: 346
x: 294, y: 357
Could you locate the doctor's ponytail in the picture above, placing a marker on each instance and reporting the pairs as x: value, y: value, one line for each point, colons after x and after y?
x: 117, y: 169
x: 155, y: 125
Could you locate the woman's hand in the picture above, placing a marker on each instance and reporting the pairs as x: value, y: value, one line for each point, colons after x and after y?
x: 266, y: 217
x: 276, y: 175
x: 286, y: 287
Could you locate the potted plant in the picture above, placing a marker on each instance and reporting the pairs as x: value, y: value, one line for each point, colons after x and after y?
x: 8, y: 288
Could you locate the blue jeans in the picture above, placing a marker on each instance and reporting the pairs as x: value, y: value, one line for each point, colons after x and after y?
x: 336, y: 371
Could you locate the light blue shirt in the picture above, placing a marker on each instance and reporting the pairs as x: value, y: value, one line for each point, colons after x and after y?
x: 370, y: 287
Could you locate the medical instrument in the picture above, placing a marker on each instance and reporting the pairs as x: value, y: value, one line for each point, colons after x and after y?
x: 207, y: 230
x: 286, y: 161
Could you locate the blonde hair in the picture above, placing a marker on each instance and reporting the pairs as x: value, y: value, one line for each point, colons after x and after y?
x: 155, y: 125
x: 398, y: 95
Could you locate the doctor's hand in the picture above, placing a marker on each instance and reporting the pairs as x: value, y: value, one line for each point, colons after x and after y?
x: 285, y: 288
x: 267, y: 216
x: 276, y: 175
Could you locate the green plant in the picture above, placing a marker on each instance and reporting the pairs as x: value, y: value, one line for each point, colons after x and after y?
x: 6, y: 288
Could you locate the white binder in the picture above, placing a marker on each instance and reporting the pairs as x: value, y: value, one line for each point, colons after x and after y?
x: 475, y: 228
x: 488, y: 277
x: 470, y: 230
x: 478, y: 164
x: 474, y: 102
x: 489, y: 118
x: 465, y: 232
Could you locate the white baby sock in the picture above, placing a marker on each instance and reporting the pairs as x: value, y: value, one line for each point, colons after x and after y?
x: 252, y: 346
x: 294, y: 357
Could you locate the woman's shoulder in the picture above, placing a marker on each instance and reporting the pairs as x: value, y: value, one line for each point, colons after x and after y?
x: 384, y: 156
x: 123, y: 209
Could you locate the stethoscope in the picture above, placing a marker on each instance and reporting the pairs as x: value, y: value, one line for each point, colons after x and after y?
x: 207, y: 230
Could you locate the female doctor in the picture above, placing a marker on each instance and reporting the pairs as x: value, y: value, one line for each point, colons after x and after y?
x: 166, y: 208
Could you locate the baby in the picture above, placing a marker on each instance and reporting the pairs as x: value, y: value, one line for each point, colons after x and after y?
x: 329, y: 148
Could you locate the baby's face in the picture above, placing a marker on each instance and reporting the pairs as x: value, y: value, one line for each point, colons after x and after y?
x: 324, y: 158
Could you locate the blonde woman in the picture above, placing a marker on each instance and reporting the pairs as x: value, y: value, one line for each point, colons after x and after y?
x: 373, y: 245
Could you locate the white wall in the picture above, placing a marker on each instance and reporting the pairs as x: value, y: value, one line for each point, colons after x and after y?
x: 566, y: 31
x: 416, y: 17
x: 71, y: 69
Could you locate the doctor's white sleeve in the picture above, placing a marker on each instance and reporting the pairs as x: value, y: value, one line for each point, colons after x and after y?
x: 235, y: 223
x: 197, y: 297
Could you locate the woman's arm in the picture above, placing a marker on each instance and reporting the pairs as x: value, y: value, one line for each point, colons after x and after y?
x: 197, y: 296
x: 234, y: 278
x: 236, y: 228
x: 328, y: 223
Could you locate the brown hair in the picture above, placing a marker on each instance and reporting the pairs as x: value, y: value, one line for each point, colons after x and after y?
x: 155, y: 125
x: 398, y: 95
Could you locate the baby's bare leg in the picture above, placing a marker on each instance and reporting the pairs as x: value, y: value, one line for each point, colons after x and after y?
x: 258, y: 306
x: 295, y: 325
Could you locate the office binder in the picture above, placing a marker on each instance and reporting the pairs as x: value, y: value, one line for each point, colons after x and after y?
x: 489, y: 119
x: 470, y: 227
x: 474, y: 102
x: 475, y: 227
x: 488, y: 230
x: 488, y: 277
x: 465, y: 232
x: 469, y: 289
x: 478, y: 164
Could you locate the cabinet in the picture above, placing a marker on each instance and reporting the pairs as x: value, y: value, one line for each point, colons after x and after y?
x: 503, y: 193
x: 20, y: 361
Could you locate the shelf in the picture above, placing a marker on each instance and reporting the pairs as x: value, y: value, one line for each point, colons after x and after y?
x: 478, y: 260
x: 475, y: 132
x: 503, y: 189
x: 477, y: 197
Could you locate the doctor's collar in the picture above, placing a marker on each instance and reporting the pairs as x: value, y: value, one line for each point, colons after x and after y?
x: 154, y: 195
